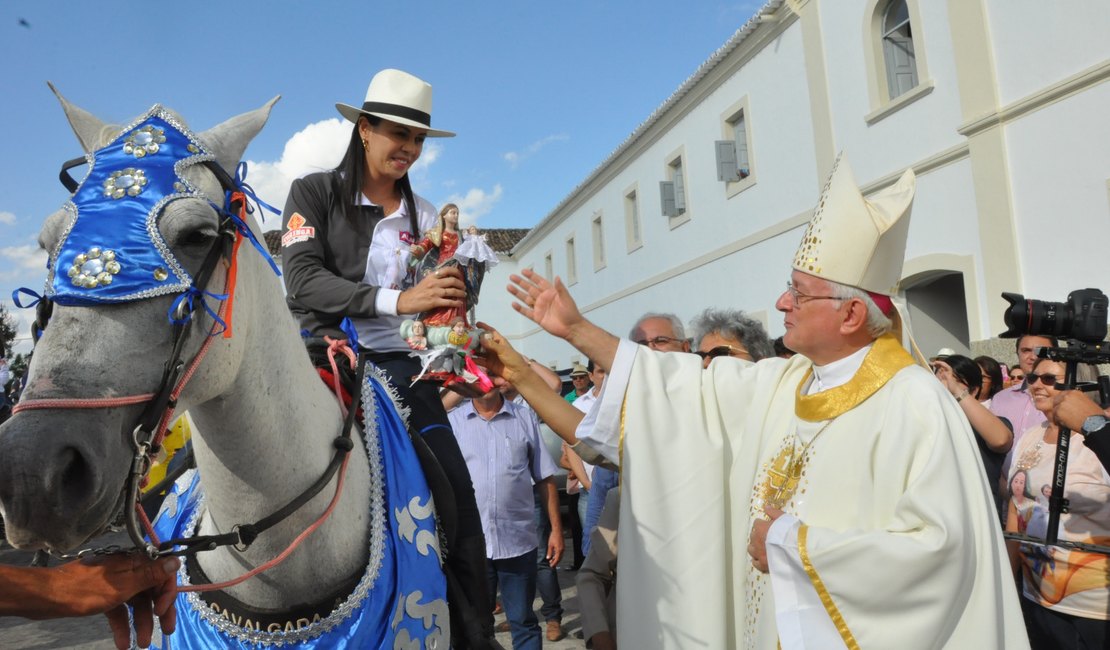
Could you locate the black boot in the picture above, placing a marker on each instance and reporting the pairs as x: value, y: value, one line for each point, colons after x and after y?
x: 472, y: 608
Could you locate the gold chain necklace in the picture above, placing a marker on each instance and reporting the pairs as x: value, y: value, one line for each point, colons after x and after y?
x: 785, y: 472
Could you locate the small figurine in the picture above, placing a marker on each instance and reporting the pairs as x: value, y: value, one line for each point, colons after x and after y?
x: 458, y: 337
x: 451, y: 364
x: 417, y: 340
x: 436, y: 251
x: 475, y: 257
x: 475, y: 248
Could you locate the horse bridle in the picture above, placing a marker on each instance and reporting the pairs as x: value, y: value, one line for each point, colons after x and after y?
x: 150, y: 427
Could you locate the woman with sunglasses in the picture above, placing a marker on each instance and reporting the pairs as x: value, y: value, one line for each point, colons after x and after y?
x: 1066, y: 592
x: 963, y: 379
x: 729, y: 333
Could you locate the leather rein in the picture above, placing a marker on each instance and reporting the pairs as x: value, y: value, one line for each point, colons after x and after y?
x: 151, y: 426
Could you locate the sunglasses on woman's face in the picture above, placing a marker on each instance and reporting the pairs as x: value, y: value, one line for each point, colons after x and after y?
x: 1048, y: 380
x: 722, y: 351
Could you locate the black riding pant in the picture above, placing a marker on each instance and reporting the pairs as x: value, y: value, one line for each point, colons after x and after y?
x: 428, y: 419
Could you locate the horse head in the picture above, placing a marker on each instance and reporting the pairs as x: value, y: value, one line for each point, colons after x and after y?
x: 126, y: 257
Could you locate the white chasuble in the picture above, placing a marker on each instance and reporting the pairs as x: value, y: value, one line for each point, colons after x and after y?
x: 892, y: 541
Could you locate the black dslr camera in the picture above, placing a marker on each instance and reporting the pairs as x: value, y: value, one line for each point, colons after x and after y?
x: 1082, y: 317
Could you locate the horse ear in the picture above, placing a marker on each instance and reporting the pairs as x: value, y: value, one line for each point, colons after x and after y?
x: 87, y: 126
x: 230, y: 139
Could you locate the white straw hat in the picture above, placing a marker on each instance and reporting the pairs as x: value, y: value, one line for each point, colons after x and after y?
x: 399, y: 97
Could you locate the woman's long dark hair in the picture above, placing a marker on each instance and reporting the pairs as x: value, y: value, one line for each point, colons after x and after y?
x: 993, y: 370
x: 352, y: 169
x: 966, y: 371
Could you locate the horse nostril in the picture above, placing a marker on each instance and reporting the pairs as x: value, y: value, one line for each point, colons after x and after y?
x: 75, y: 474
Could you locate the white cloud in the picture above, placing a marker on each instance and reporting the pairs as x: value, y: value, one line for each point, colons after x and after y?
x: 514, y: 158
x: 317, y: 147
x: 21, y: 262
x: 430, y: 154
x: 475, y: 203
x: 7, y: 218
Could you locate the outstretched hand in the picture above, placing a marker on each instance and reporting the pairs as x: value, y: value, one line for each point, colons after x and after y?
x: 548, y: 305
x: 502, y: 362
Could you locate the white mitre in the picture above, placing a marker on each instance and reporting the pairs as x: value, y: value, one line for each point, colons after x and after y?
x: 854, y: 240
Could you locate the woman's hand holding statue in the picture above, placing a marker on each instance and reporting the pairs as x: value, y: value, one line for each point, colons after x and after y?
x: 444, y: 288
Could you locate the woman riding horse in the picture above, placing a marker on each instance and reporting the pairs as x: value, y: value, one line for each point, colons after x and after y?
x: 346, y: 247
x: 145, y: 263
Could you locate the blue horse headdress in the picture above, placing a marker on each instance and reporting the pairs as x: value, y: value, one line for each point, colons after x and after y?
x: 112, y: 251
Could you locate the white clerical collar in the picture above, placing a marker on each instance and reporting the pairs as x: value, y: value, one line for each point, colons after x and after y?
x: 837, y: 373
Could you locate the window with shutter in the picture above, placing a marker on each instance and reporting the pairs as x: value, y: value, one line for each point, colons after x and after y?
x: 726, y: 160
x: 898, y: 54
x: 572, y: 262
x: 666, y: 198
x: 679, y: 180
x: 740, y: 137
x: 632, y: 221
x: 599, y: 243
x: 735, y: 165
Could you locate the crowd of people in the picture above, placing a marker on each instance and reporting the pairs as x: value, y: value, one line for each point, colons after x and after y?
x: 821, y: 490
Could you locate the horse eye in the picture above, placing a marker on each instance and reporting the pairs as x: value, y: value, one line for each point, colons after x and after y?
x: 198, y: 237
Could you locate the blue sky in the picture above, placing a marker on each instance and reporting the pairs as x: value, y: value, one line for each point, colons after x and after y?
x: 539, y: 93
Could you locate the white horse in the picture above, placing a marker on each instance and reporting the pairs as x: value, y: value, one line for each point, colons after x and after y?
x: 265, y: 423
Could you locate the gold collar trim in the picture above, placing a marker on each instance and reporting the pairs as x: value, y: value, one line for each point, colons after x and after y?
x: 883, y: 361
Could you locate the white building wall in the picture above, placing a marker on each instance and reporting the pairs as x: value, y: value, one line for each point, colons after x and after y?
x: 1038, y: 44
x: 943, y: 225
x: 903, y: 137
x: 1059, y: 160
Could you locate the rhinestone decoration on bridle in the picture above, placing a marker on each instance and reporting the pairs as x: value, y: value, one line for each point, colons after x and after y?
x: 112, y: 251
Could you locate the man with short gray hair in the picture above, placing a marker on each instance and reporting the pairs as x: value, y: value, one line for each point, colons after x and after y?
x: 662, y: 332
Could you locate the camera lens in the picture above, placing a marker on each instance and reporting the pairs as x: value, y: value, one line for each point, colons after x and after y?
x: 1081, y: 317
x: 1030, y: 316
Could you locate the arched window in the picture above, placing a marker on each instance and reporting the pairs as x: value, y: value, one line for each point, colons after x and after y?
x: 898, y: 56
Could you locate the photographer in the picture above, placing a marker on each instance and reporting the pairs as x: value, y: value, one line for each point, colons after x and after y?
x: 1065, y: 591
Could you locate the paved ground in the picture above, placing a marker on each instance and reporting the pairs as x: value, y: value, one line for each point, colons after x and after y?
x: 572, y: 624
x: 91, y: 633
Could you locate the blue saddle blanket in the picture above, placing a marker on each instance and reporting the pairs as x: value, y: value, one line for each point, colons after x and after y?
x: 401, y: 600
